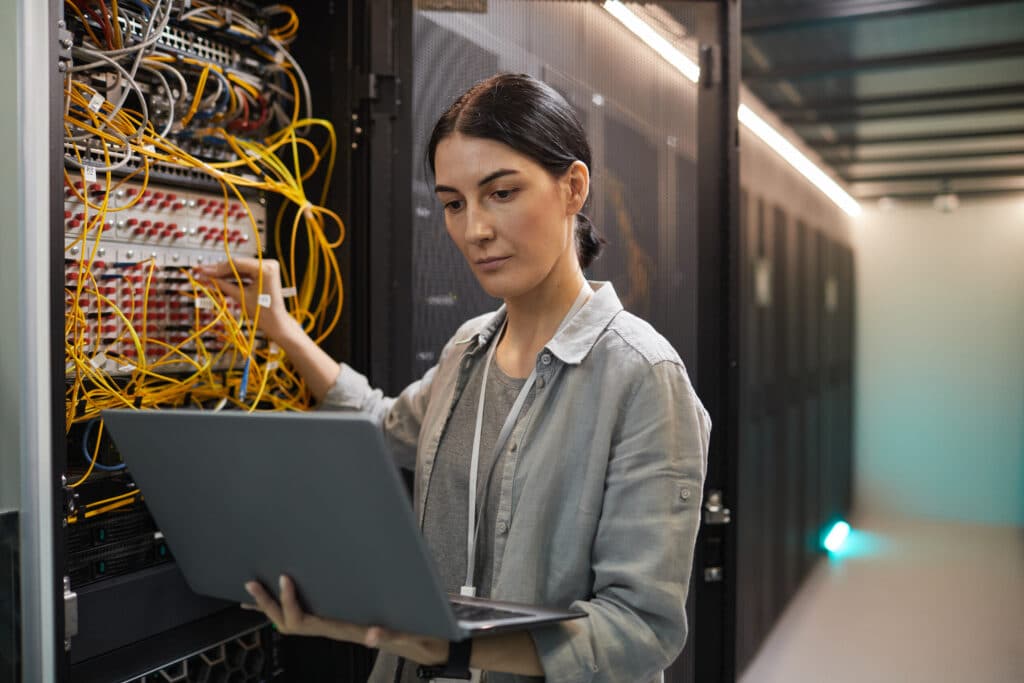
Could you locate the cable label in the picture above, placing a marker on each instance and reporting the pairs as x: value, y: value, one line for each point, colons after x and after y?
x: 96, y: 102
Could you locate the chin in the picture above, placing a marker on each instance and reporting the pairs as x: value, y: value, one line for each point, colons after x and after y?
x: 500, y: 286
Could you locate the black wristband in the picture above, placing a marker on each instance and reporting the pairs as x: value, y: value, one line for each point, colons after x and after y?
x: 457, y: 665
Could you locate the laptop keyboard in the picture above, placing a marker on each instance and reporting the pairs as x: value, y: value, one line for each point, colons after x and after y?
x: 467, y: 612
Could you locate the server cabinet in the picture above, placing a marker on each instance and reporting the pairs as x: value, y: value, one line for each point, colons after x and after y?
x: 795, y: 461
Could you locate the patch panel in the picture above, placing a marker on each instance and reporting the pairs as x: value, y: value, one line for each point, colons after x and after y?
x: 127, y: 271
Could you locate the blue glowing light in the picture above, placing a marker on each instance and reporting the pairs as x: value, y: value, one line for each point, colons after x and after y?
x: 837, y: 536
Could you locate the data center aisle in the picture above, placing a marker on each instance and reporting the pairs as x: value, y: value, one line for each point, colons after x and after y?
x: 909, y: 601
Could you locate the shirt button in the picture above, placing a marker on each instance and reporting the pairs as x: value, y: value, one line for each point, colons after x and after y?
x: 540, y: 382
x: 502, y: 528
x: 684, y: 493
x: 545, y: 359
x: 513, y: 447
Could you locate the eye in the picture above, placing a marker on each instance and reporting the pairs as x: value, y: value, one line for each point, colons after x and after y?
x: 453, y: 205
x: 504, y: 195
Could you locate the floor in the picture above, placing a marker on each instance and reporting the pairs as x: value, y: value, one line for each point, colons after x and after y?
x: 908, y: 601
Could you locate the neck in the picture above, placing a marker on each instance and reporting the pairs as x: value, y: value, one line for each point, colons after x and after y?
x: 533, y: 319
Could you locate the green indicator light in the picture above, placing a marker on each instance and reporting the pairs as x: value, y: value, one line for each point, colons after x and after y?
x: 102, y: 534
x: 102, y: 567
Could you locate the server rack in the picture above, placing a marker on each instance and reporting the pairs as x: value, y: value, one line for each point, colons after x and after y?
x: 795, y: 406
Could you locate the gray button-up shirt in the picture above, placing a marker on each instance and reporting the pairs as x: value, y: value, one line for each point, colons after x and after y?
x: 600, y: 489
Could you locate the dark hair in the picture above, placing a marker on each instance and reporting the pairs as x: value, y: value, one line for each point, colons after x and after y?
x: 533, y: 119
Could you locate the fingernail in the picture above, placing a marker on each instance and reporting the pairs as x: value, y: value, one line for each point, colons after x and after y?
x: 281, y: 581
x: 250, y: 588
x: 371, y: 638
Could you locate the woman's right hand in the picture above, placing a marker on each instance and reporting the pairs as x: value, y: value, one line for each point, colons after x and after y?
x: 274, y: 319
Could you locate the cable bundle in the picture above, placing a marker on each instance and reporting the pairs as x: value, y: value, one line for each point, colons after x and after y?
x: 211, y: 92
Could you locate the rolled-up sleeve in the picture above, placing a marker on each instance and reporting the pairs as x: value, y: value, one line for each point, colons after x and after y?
x: 643, y: 550
x: 400, y: 418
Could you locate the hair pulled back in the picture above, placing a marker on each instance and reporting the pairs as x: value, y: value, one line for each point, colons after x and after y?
x: 533, y: 119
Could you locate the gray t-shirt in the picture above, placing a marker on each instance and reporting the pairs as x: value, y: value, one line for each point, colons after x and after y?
x: 445, y: 518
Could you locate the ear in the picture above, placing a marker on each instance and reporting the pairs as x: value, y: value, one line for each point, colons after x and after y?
x: 577, y: 185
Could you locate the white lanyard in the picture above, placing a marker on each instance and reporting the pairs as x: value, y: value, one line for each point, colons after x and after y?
x: 469, y: 587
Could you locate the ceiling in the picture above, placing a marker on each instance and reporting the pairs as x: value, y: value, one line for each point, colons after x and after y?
x: 902, y: 98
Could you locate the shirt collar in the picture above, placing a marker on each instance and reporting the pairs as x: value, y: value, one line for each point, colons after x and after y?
x: 572, y: 344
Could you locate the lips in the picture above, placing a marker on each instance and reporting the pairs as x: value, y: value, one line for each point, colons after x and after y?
x: 491, y: 263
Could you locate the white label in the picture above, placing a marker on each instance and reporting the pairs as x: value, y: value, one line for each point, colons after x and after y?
x: 273, y: 365
x: 831, y: 294
x: 99, y: 361
x: 149, y: 148
x: 289, y: 292
x: 90, y: 174
x: 763, y: 282
x: 264, y: 300
x: 96, y: 102
x: 204, y: 302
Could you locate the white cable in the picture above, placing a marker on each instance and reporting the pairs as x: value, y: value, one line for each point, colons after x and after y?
x: 170, y: 99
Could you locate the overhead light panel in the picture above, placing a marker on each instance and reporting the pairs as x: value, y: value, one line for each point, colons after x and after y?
x: 747, y: 117
x: 797, y: 160
x: 646, y: 33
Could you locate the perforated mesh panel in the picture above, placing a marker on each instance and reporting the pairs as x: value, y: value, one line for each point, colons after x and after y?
x: 640, y: 115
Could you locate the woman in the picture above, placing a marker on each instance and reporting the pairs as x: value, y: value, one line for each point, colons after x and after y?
x: 591, y: 444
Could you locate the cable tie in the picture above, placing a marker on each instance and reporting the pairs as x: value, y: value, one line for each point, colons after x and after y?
x: 289, y: 292
x: 307, y: 210
x: 264, y: 300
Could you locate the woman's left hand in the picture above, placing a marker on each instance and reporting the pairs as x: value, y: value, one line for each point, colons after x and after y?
x: 290, y: 619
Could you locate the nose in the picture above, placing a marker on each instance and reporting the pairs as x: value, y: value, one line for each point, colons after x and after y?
x: 479, y: 226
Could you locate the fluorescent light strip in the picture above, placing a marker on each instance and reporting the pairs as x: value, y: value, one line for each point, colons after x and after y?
x: 646, y: 33
x: 747, y: 117
x: 797, y: 160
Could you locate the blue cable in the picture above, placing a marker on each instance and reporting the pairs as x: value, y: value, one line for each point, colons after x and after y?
x: 85, y: 450
x: 244, y: 386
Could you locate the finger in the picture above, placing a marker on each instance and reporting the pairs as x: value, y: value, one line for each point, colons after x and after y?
x: 293, y: 612
x: 372, y: 637
x: 229, y: 288
x: 265, y: 602
x: 248, y: 606
x: 380, y: 636
x: 243, y: 264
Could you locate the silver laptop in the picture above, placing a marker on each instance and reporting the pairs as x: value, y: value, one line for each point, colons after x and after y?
x: 316, y: 496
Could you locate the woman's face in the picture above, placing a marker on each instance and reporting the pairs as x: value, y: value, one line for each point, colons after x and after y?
x: 508, y: 216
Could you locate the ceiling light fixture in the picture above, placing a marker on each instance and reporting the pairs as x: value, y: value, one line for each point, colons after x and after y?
x: 747, y: 117
x: 646, y: 33
x: 807, y: 168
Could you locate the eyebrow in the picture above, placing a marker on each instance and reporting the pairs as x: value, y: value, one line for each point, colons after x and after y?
x: 500, y: 173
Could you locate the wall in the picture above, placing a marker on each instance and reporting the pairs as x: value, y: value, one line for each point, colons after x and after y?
x: 940, y: 383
